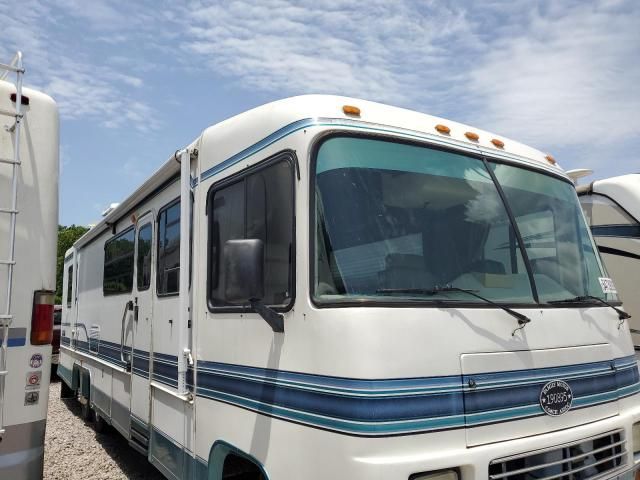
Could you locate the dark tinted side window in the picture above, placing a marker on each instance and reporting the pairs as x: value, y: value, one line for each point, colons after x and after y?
x: 69, y: 285
x: 168, y: 272
x: 259, y: 205
x: 144, y: 257
x: 118, y: 263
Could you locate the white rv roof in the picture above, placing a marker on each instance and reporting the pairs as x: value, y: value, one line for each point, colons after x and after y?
x: 625, y: 190
x: 237, y: 133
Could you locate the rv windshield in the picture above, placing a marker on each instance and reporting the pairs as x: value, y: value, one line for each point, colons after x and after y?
x: 393, y: 218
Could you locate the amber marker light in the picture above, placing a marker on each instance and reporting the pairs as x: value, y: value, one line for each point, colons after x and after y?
x: 550, y: 159
x: 351, y: 110
x: 443, y: 129
x: 497, y: 143
x: 474, y: 137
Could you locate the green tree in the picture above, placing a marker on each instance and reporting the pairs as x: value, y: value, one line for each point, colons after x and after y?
x: 67, y: 236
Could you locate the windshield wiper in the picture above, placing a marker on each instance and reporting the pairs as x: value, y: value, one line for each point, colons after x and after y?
x: 522, y: 319
x: 622, y: 315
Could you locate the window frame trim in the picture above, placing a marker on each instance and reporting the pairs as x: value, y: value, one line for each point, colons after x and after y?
x: 289, y: 156
x: 482, y: 157
x: 104, y: 258
x: 165, y: 207
x: 69, y: 299
x: 138, y: 229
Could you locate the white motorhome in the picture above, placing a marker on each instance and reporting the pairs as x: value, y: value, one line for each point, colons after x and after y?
x: 612, y: 208
x: 331, y: 288
x: 28, y: 234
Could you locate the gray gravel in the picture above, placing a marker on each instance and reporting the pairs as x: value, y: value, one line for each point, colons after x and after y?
x: 74, y: 451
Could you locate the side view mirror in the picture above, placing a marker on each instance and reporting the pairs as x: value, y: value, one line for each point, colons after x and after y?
x: 243, y: 269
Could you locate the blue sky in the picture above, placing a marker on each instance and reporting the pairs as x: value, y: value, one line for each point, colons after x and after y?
x: 137, y: 80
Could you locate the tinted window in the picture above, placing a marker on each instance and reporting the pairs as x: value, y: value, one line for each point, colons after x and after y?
x: 69, y: 285
x: 168, y: 275
x: 260, y: 205
x: 144, y: 257
x: 601, y: 210
x: 118, y: 263
x: 556, y: 238
x: 392, y: 219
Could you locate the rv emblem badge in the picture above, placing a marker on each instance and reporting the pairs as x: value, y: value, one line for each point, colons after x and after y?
x: 556, y: 398
x: 36, y: 360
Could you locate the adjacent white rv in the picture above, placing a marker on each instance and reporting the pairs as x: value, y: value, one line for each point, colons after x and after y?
x: 330, y: 288
x: 28, y: 235
x: 612, y: 208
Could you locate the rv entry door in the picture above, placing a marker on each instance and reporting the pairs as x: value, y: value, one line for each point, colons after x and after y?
x: 142, y: 314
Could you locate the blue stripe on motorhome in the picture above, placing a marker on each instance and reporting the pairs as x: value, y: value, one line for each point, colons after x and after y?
x: 317, y: 122
x: 395, y: 406
x: 365, y: 412
x: 17, y: 337
x: 257, y: 147
x: 622, y: 231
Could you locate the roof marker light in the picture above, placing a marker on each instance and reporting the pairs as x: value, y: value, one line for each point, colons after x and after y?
x: 351, y: 110
x: 443, y: 129
x: 474, y: 137
x: 550, y: 159
x: 497, y: 143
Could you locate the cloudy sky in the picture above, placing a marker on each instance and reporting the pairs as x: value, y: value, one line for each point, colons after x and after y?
x: 137, y: 80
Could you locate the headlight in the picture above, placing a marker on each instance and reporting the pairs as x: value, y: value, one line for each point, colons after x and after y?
x: 449, y: 474
x: 635, y: 431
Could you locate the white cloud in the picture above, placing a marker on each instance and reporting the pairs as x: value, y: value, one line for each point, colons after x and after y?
x: 388, y: 51
x: 570, y: 76
x: 82, y: 84
x: 552, y: 74
x: 557, y: 74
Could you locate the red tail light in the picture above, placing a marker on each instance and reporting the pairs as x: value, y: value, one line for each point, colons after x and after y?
x: 42, y: 318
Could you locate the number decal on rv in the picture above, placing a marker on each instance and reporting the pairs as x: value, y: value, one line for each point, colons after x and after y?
x: 556, y: 397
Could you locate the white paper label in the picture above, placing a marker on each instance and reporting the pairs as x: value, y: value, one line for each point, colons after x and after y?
x: 607, y: 285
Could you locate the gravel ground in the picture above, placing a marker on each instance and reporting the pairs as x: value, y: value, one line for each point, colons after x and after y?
x: 74, y: 451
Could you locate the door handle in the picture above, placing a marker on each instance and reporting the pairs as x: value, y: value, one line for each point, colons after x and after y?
x: 127, y: 308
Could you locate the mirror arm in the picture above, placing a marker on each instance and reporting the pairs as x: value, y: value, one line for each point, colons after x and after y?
x: 273, y: 318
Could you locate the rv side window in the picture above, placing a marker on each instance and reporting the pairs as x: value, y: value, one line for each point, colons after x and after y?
x: 118, y: 263
x: 168, y: 267
x: 259, y: 205
x: 601, y: 211
x: 69, y: 285
x: 144, y: 257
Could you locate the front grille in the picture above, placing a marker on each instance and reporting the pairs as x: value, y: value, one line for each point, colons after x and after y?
x: 582, y: 460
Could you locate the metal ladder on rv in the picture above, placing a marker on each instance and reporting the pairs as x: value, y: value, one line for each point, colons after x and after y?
x: 8, y: 262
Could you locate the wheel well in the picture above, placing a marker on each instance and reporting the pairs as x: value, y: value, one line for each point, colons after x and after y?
x: 227, y: 462
x: 240, y: 468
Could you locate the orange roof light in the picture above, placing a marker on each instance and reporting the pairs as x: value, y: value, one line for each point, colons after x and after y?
x: 443, y: 129
x: 351, y: 110
x: 474, y: 137
x: 550, y: 159
x: 497, y: 143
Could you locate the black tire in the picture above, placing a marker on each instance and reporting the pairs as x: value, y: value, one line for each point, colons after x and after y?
x: 99, y: 423
x: 65, y: 390
x: 86, y: 412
